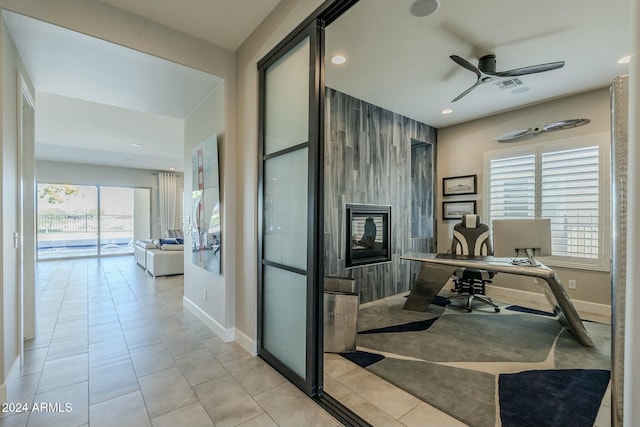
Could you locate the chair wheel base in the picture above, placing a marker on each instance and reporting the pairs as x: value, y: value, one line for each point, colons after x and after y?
x: 497, y: 310
x: 469, y: 310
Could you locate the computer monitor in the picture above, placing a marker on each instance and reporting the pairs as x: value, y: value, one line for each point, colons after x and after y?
x: 520, y: 238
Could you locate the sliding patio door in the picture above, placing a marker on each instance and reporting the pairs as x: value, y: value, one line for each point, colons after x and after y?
x: 67, y: 221
x: 116, y: 220
x: 290, y: 244
x: 87, y: 220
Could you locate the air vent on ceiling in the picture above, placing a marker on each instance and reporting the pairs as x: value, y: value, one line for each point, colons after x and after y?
x: 509, y: 83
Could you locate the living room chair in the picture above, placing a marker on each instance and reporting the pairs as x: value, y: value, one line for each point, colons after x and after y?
x: 471, y: 237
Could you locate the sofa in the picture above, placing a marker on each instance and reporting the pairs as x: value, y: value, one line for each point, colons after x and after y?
x: 160, y: 257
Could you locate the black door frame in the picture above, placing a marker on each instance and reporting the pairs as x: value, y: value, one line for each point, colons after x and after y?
x: 312, y: 27
x: 309, y: 383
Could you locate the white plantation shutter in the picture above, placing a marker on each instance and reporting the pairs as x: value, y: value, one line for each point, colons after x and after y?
x: 570, y: 198
x: 512, y: 187
x: 564, y: 181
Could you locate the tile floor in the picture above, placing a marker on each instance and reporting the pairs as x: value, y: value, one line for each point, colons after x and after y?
x: 377, y: 401
x: 118, y: 349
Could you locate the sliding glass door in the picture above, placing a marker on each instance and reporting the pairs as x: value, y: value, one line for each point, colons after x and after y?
x: 88, y: 221
x: 116, y: 220
x: 289, y: 200
x: 67, y: 221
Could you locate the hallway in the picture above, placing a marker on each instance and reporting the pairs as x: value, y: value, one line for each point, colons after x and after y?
x: 115, y: 347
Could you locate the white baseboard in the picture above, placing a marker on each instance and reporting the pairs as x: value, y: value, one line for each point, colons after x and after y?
x: 227, y: 335
x: 14, y: 372
x: 246, y: 342
x: 587, y: 310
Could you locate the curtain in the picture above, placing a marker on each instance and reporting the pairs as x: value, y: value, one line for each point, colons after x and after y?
x: 170, y: 202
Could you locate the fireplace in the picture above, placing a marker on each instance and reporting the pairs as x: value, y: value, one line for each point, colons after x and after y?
x: 368, y: 234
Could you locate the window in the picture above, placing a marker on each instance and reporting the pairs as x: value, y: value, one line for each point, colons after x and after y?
x: 565, y: 181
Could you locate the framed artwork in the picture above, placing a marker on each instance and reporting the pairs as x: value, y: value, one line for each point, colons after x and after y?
x: 456, y: 185
x: 205, y: 217
x: 455, y: 210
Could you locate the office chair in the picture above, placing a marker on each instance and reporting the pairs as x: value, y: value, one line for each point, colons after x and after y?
x: 470, y: 237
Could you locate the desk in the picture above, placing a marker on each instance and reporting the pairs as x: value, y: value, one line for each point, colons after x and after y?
x: 431, y: 280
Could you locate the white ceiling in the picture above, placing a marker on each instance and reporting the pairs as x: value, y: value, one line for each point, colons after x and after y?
x: 401, y: 62
x: 394, y: 60
x: 226, y: 23
x: 94, y: 98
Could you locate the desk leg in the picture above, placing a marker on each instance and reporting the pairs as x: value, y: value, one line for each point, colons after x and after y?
x: 430, y: 281
x: 564, y: 308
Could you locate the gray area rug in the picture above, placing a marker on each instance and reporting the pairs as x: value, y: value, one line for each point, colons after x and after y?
x: 466, y: 393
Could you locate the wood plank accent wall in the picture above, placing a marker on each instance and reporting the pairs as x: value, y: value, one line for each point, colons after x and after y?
x: 367, y: 159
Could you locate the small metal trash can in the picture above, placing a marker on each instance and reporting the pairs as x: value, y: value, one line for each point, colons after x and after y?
x: 341, y: 301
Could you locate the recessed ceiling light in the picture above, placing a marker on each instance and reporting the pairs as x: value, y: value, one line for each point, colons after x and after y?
x: 422, y: 8
x: 136, y: 145
x: 338, y: 59
x: 624, y: 60
x: 172, y: 169
x: 447, y: 111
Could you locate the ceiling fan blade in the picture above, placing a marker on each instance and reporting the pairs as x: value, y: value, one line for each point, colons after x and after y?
x: 565, y: 124
x: 466, y: 64
x: 478, y: 83
x: 513, y: 135
x: 532, y: 69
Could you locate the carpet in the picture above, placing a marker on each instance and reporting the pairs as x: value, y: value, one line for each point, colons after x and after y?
x: 519, y: 367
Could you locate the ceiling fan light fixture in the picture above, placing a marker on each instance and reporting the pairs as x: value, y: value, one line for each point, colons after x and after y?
x: 422, y: 8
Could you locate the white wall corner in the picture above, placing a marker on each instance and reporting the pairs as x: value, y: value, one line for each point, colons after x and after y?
x: 246, y: 342
x: 14, y: 372
x: 227, y: 335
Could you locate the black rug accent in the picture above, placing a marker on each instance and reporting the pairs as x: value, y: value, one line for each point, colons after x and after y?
x: 568, y: 398
x: 421, y: 325
x: 438, y: 300
x: 363, y: 358
x: 521, y: 309
x: 441, y: 301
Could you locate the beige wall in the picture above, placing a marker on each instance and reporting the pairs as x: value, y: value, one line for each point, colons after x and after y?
x: 98, y: 19
x: 206, y: 121
x: 461, y: 151
x: 10, y: 190
x: 284, y: 18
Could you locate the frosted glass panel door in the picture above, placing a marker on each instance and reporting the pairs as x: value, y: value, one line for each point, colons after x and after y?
x: 288, y: 201
x: 287, y: 100
x: 285, y: 210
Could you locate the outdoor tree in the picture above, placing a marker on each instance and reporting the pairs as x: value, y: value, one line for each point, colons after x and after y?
x: 57, y: 193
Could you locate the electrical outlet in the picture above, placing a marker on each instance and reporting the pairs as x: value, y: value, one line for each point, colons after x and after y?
x: 572, y: 284
x: 205, y: 295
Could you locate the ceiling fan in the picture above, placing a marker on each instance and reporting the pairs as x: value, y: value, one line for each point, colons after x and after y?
x: 561, y: 125
x: 486, y: 70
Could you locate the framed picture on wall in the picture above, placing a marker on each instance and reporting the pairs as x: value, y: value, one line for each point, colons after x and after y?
x: 456, y: 185
x: 455, y: 210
